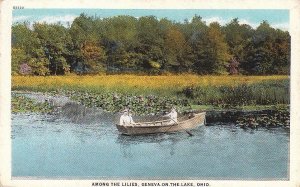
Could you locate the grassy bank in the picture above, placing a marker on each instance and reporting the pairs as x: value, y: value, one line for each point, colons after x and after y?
x: 153, y: 94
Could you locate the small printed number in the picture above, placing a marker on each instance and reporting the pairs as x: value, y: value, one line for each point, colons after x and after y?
x: 18, y: 7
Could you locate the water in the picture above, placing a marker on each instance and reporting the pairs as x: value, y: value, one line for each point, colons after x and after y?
x: 53, y: 148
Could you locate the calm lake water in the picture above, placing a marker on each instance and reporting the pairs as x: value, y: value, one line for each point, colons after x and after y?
x: 51, y: 148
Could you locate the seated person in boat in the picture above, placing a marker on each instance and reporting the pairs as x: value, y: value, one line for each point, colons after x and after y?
x: 126, y: 118
x: 191, y: 114
x: 172, y: 115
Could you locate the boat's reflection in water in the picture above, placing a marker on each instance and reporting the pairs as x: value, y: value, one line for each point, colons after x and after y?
x: 164, y: 141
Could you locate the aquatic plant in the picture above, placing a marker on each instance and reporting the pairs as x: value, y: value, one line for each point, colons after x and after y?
x: 279, y: 117
x: 22, y: 104
x: 116, y: 102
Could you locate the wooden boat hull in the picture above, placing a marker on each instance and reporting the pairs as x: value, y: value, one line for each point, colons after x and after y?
x: 162, y: 126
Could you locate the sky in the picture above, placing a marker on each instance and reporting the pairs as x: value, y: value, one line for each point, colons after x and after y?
x: 276, y: 18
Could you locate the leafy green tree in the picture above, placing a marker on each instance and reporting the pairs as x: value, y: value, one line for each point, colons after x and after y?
x: 56, y: 42
x: 212, y: 51
x: 123, y: 43
x: 84, y: 28
x: 193, y: 29
x: 18, y: 57
x: 150, y: 38
x: 175, y: 49
x: 39, y: 66
x: 121, y: 29
x: 194, y: 32
x: 27, y: 40
x: 238, y: 37
x: 93, y: 57
x: 268, y: 51
x: 88, y: 55
x: 120, y: 40
x: 281, y: 53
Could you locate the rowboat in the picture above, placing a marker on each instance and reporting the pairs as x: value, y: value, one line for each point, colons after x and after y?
x: 163, y: 126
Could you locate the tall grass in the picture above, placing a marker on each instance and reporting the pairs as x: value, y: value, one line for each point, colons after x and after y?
x: 132, y: 82
x: 266, y: 92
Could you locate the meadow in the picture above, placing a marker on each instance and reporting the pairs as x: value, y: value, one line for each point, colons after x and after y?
x: 132, y: 83
x: 153, y: 94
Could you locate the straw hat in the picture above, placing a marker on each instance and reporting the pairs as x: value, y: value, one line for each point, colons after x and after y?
x: 125, y: 110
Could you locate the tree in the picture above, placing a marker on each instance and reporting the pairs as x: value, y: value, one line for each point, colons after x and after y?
x: 18, y: 57
x: 194, y: 32
x: 233, y: 66
x: 150, y: 41
x: 125, y: 43
x: 122, y: 29
x: 93, y: 57
x: 39, y: 66
x: 281, y: 52
x: 175, y: 50
x: 56, y: 42
x: 268, y: 52
x: 88, y: 55
x: 26, y: 40
x: 192, y: 29
x: 238, y: 37
x: 212, y: 51
x: 120, y: 39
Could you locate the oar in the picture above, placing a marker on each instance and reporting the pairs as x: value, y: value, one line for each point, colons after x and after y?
x: 189, y: 133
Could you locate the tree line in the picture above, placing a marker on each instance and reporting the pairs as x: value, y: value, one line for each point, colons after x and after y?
x: 125, y: 44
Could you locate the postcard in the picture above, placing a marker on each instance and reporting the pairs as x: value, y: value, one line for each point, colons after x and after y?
x: 150, y: 93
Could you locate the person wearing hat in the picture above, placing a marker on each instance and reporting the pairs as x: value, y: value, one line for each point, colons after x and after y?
x: 126, y: 118
x: 172, y: 115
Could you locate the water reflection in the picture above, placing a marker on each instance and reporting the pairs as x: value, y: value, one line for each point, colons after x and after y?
x: 163, y: 141
x: 214, y: 151
x: 79, y: 114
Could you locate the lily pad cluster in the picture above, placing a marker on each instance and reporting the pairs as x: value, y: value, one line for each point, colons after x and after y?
x: 139, y: 105
x: 270, y: 119
x: 22, y: 104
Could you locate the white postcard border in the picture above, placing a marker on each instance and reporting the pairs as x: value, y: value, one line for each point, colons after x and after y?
x: 5, y: 79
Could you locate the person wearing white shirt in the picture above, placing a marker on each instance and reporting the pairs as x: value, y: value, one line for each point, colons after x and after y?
x: 172, y: 115
x: 126, y: 118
